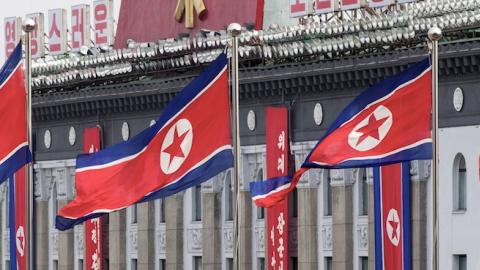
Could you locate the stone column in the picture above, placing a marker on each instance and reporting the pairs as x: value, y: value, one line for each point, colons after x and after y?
x: 43, y: 182
x: 65, y: 245
x: 307, y: 220
x: 342, y: 218
x: 174, y: 231
x: 117, y: 240
x: 420, y: 173
x: 41, y: 234
x: 63, y: 178
x: 211, y: 218
x: 245, y: 229
x: 146, y: 235
x: 371, y: 220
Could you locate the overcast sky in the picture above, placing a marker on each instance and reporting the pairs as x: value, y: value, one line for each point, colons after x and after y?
x: 19, y: 8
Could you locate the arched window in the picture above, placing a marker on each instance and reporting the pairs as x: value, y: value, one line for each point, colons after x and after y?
x: 228, y: 193
x: 362, y: 193
x: 459, y: 183
x: 260, y: 210
x: 327, y: 195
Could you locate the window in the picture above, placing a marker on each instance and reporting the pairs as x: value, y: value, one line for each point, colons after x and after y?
x: 55, y: 265
x: 460, y: 262
x: 363, y: 193
x: 133, y: 212
x: 293, y: 203
x: 54, y: 204
x: 229, y: 263
x: 162, y: 264
x: 363, y: 263
x: 80, y: 264
x: 327, y: 196
x: 7, y: 263
x: 228, y: 196
x: 162, y: 211
x: 133, y: 264
x: 328, y: 263
x: 261, y: 264
x: 459, y: 184
x: 197, y: 203
x: 293, y: 263
x: 197, y: 263
x: 260, y: 210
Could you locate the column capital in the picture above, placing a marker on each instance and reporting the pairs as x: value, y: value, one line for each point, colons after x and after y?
x: 343, y: 177
x: 311, y: 178
x: 252, y: 168
x: 420, y: 170
x: 215, y: 184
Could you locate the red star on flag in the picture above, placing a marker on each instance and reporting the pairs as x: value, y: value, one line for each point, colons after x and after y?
x: 371, y: 129
x: 175, y: 149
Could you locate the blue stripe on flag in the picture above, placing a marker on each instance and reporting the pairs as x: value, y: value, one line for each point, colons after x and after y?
x: 11, y: 63
x: 220, y: 162
x: 15, y: 162
x: 265, y: 187
x: 374, y: 93
x: 421, y: 152
x: 378, y: 218
x: 11, y: 216
x: 140, y: 141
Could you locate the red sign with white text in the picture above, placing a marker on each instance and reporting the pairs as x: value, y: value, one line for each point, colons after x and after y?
x: 57, y: 31
x: 12, y: 30
x: 93, y: 227
x: 103, y: 22
x: 277, y: 165
x: 80, y: 26
x: 20, y: 217
x: 325, y: 6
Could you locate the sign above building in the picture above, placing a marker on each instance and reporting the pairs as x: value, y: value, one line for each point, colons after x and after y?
x: 147, y: 21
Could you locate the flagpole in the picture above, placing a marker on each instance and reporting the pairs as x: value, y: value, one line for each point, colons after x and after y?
x: 28, y: 27
x: 235, y: 29
x: 435, y: 34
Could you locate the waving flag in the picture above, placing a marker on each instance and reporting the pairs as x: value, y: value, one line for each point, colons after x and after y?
x: 14, y: 152
x: 393, y: 246
x: 387, y: 123
x: 189, y: 144
x: 17, y: 218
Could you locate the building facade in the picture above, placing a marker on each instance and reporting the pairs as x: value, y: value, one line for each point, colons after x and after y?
x: 331, y: 214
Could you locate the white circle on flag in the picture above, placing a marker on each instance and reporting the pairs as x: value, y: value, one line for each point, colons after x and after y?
x: 392, y: 226
x: 176, y: 146
x: 20, y: 240
x: 370, y: 132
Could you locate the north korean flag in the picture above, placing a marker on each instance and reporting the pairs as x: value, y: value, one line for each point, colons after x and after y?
x: 17, y: 218
x: 189, y: 144
x: 392, y: 217
x: 14, y: 151
x: 387, y: 123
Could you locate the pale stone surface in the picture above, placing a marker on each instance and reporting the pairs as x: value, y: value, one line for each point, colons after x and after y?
x: 245, y: 224
x: 65, y: 245
x: 342, y: 227
x: 419, y: 224
x: 211, y: 235
x: 146, y: 235
x: 41, y: 235
x: 174, y: 220
x: 307, y: 229
x: 117, y: 240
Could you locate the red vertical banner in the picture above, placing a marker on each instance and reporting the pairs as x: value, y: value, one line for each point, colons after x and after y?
x: 277, y: 165
x: 93, y: 227
x: 20, y: 233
